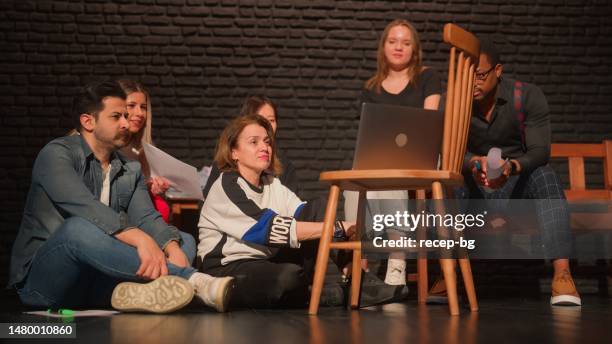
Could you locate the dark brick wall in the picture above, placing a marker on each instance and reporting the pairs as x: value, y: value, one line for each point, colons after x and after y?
x: 201, y: 58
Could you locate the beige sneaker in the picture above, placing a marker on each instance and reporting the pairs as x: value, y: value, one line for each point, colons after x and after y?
x: 564, y: 290
x: 437, y: 293
x: 215, y: 292
x: 163, y: 295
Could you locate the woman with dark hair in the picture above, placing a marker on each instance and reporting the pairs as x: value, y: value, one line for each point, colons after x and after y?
x: 251, y: 224
x: 400, y: 79
x: 138, y: 104
x: 263, y: 106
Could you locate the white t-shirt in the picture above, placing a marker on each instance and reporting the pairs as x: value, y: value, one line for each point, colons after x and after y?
x: 105, y: 194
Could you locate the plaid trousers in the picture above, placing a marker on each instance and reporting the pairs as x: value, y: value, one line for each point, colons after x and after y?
x: 544, y: 187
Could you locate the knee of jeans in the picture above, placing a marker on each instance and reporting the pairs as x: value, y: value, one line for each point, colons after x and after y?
x: 77, y: 229
x: 188, y: 246
x: 33, y: 298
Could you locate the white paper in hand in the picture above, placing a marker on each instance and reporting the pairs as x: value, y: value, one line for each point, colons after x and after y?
x: 184, y: 180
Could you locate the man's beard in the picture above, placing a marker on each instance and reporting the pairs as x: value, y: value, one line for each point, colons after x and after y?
x: 121, y: 139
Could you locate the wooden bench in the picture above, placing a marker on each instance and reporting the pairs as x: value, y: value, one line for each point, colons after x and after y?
x: 575, y: 153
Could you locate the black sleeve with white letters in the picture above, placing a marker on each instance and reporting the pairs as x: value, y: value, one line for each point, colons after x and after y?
x: 279, y: 234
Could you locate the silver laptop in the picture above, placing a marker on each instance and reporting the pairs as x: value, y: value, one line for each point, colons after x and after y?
x: 398, y: 137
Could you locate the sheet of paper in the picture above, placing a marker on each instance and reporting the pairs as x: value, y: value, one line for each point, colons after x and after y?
x: 75, y: 314
x: 184, y: 179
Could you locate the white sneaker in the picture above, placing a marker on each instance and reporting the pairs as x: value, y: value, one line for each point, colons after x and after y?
x: 215, y: 292
x: 163, y: 295
x: 396, y: 272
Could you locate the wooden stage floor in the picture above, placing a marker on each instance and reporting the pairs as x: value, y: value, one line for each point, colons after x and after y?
x: 508, y: 320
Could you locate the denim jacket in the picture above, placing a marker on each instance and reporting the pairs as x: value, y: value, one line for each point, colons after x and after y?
x: 67, y: 181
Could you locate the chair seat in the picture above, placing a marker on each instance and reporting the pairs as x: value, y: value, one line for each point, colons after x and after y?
x: 357, y: 180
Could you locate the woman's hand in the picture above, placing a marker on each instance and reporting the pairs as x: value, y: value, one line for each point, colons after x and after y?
x: 175, y: 255
x: 158, y: 185
x: 350, y: 228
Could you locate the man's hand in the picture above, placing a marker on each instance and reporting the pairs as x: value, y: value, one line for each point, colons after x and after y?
x: 158, y: 185
x: 501, y: 180
x: 480, y: 174
x: 478, y: 165
x: 152, y: 259
x: 175, y: 255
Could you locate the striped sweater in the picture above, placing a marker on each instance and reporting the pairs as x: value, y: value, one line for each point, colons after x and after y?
x: 240, y: 221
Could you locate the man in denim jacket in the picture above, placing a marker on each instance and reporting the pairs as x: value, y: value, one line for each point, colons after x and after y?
x: 89, y: 225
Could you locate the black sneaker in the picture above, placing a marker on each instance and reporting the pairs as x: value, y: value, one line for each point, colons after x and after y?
x: 333, y: 295
x: 375, y: 291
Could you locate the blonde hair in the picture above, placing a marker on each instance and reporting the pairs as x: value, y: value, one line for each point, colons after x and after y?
x: 229, y: 140
x: 129, y: 87
x: 415, y: 65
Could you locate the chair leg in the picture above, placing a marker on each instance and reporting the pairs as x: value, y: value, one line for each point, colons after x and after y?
x: 323, y: 253
x: 356, y: 279
x: 422, y: 277
x: 450, y: 280
x: 356, y: 273
x: 466, y: 272
x: 422, y: 283
x: 447, y: 264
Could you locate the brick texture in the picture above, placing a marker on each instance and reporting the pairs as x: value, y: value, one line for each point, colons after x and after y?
x: 200, y: 58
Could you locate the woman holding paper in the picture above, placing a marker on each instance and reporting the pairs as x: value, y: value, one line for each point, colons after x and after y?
x: 252, y: 226
x: 139, y: 118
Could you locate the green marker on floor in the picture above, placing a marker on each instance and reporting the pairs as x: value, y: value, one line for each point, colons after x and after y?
x: 65, y: 311
x: 62, y: 311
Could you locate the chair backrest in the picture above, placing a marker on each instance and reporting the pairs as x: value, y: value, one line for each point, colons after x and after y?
x: 575, y: 154
x: 463, y: 61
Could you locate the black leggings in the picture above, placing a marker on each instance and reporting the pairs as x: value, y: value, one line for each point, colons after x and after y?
x: 267, y: 283
x: 279, y: 281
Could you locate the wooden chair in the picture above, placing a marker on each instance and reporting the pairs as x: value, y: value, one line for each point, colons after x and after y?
x: 177, y: 205
x: 464, y: 52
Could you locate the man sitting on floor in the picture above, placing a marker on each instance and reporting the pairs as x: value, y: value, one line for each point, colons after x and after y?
x: 89, y: 225
x: 514, y: 117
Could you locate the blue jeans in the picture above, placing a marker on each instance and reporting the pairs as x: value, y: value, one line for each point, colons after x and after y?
x: 80, y: 265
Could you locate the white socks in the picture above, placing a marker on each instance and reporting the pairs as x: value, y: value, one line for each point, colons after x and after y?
x: 396, y: 272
